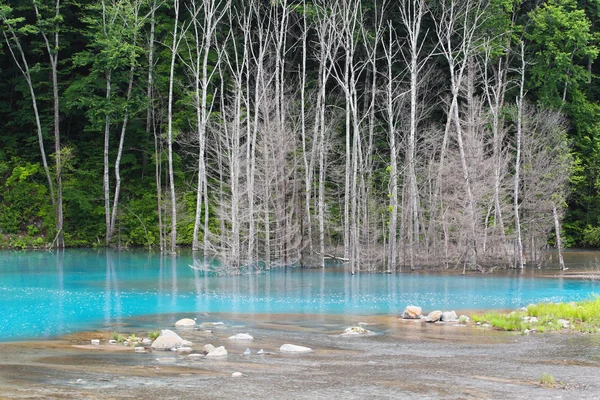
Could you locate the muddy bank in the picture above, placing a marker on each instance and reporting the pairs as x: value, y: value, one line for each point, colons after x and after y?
x: 404, y: 359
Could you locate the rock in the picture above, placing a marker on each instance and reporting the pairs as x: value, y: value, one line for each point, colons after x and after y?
x: 565, y: 323
x: 241, y: 336
x: 146, y: 342
x: 463, y: 318
x: 218, y: 323
x: 184, y: 349
x: 260, y: 352
x: 112, y: 341
x: 217, y: 352
x: 523, y: 309
x: 449, y: 316
x: 434, y: 316
x: 140, y: 349
x: 168, y: 340
x: 208, y: 348
x: 412, y: 312
x: 292, y: 348
x: 207, y: 331
x: 247, y: 352
x: 533, y: 320
x: 356, y: 330
x: 237, y: 375
x: 96, y: 341
x: 185, y: 323
x: 195, y: 355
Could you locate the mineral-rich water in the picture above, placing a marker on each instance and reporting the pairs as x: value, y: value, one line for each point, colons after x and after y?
x: 45, y: 294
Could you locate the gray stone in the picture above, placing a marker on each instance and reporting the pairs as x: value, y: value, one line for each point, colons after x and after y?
x: 208, y: 348
x: 356, y: 330
x: 241, y: 336
x: 292, y: 348
x: 449, y: 316
x: 434, y: 316
x: 412, y: 312
x: 217, y: 352
x: 185, y: 323
x: 168, y: 340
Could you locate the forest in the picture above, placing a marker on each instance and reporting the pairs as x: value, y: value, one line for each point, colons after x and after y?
x: 380, y: 133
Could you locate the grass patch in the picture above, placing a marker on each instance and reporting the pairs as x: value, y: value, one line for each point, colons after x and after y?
x: 583, y: 316
x: 153, y: 335
x: 118, y: 337
x: 547, y: 380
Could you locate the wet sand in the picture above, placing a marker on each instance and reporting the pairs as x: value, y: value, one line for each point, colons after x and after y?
x: 403, y: 359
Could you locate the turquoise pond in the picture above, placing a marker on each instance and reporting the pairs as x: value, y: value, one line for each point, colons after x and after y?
x: 45, y: 294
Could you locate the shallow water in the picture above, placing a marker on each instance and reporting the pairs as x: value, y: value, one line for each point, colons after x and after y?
x: 48, y: 294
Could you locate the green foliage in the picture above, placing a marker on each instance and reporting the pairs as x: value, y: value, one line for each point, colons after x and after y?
x: 153, y: 334
x: 547, y: 380
x: 118, y: 337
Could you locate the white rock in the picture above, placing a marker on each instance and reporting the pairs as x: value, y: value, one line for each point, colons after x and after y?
x: 140, y: 350
x: 168, y: 340
x: 146, y: 341
x: 247, y: 352
x: 412, y: 312
x: 237, y: 375
x: 533, y: 320
x: 434, y: 316
x: 292, y: 348
x: 207, y: 331
x: 449, y: 316
x: 464, y: 318
x: 184, y: 349
x: 195, y: 355
x: 260, y: 352
x: 208, y: 348
x: 218, y: 352
x: 218, y: 323
x: 112, y: 341
x: 96, y: 341
x: 185, y: 322
x: 565, y: 323
x: 241, y: 336
x: 523, y: 309
x: 356, y: 330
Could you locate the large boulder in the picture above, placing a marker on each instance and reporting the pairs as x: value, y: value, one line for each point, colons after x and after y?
x: 412, y: 312
x: 434, y: 316
x: 217, y: 352
x: 185, y: 323
x: 292, y: 348
x: 449, y: 316
x: 169, y: 340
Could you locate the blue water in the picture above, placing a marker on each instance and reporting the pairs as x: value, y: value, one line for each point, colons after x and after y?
x: 46, y: 294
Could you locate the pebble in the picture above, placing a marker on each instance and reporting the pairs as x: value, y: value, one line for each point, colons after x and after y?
x: 237, y: 375
x: 247, y: 352
x: 260, y: 352
x: 112, y: 341
x: 96, y: 341
x: 140, y: 350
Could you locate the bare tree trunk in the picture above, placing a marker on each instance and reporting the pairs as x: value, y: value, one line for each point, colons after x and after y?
x: 23, y: 66
x: 174, y: 48
x: 519, y: 134
x: 52, y: 49
x: 558, y: 239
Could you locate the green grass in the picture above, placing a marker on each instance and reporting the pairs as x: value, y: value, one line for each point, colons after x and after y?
x: 117, y: 336
x: 584, y: 316
x: 153, y: 335
x: 547, y: 380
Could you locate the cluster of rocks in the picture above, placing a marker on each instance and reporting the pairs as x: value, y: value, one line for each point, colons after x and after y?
x: 169, y: 340
x: 415, y: 312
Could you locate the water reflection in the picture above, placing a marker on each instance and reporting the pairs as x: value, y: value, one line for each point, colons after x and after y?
x: 59, y: 292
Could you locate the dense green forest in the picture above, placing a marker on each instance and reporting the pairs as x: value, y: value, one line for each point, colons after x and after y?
x: 378, y: 133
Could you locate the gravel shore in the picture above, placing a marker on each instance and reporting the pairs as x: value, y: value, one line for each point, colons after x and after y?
x: 403, y: 359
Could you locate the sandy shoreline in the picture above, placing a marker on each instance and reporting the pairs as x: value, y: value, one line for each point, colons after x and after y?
x: 404, y: 359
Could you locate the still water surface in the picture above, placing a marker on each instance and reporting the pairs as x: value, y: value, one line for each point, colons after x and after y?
x: 45, y: 294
